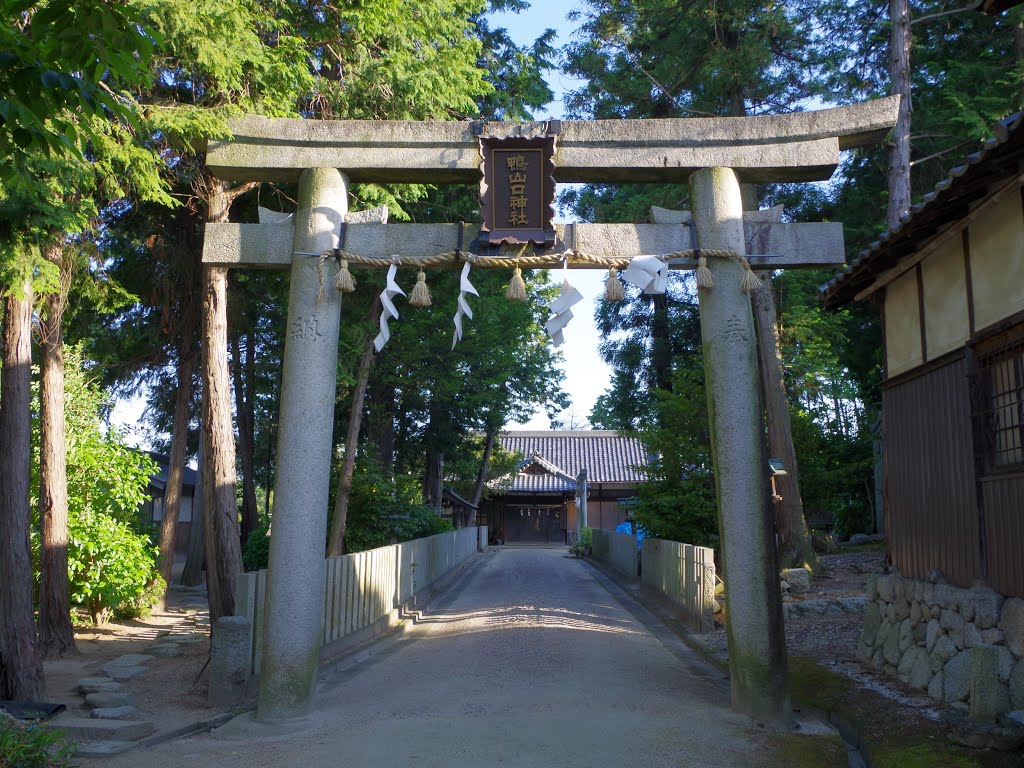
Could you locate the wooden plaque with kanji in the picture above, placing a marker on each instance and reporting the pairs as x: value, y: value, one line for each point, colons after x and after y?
x: 517, y: 192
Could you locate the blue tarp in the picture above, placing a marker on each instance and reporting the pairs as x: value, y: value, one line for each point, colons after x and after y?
x: 627, y: 527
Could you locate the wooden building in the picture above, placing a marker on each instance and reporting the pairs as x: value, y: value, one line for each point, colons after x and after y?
x: 950, y: 284
x: 157, y: 489
x: 539, y: 504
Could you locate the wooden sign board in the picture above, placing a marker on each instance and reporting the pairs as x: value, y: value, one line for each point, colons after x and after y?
x: 517, y: 192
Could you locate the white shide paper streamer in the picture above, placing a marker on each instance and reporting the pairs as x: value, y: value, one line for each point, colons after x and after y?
x: 464, y: 287
x: 387, y: 310
x: 560, y: 312
x: 648, y: 273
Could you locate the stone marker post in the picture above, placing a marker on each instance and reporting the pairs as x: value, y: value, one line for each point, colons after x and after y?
x: 295, y: 579
x: 230, y: 655
x: 757, y: 651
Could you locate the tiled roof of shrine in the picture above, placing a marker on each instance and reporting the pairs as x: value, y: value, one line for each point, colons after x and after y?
x: 553, y: 459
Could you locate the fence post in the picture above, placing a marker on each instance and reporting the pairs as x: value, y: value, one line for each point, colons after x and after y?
x: 706, y: 573
x: 689, y: 569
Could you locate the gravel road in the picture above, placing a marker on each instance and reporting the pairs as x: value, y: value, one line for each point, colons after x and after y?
x: 529, y: 661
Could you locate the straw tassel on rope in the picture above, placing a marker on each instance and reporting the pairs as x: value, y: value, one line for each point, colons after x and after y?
x: 614, y: 290
x: 704, y: 277
x: 420, y: 296
x: 751, y: 282
x: 516, y: 287
x: 344, y: 282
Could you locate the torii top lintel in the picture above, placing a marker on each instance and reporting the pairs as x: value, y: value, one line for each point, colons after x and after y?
x: 797, y: 146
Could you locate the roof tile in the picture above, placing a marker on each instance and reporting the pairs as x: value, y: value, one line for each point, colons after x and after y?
x: 608, y: 457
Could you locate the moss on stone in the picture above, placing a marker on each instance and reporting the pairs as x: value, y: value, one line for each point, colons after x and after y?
x: 922, y: 755
x: 796, y: 750
x: 894, y: 735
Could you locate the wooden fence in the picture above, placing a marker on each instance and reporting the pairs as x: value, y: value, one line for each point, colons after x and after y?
x: 686, y: 574
x: 364, y: 588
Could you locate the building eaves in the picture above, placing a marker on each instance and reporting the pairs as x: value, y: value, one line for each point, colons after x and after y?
x: 551, y: 467
x: 951, y: 199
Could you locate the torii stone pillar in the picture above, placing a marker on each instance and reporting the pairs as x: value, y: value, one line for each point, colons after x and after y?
x: 295, y: 579
x: 757, y: 650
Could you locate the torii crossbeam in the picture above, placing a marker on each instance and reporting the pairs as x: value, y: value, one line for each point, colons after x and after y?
x: 714, y: 155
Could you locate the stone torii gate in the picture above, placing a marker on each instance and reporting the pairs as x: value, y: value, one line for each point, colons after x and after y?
x: 715, y: 155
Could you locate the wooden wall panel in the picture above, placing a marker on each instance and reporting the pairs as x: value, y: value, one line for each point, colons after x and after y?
x: 932, y: 516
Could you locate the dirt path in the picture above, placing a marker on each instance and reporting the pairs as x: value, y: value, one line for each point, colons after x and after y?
x: 167, y: 693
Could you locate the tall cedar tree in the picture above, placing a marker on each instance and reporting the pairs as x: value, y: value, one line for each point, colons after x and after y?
x: 67, y: 47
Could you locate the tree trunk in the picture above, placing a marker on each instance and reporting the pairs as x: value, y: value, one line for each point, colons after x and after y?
x: 336, y: 541
x: 661, y: 352
x: 433, y: 479
x: 176, y: 463
x: 243, y: 407
x: 223, y: 550
x: 192, y: 573
x: 899, y: 78
x: 385, y: 397
x: 794, y: 539
x: 481, y: 477
x: 56, y: 635
x: 21, y: 665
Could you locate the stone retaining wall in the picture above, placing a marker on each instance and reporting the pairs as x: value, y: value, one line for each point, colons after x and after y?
x: 923, y: 632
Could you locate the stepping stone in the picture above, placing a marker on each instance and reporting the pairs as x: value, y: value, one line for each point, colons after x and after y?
x: 102, y: 730
x: 109, y: 699
x: 130, y: 660
x: 103, y: 748
x: 191, y: 639
x: 164, y: 649
x: 97, y: 684
x: 125, y: 673
x: 117, y: 713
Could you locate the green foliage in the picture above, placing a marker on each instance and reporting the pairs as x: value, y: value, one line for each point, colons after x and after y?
x: 836, y: 475
x: 111, y: 556
x: 55, y: 55
x: 256, y: 552
x: 141, y: 605
x: 104, y: 475
x: 26, y: 745
x: 382, y: 511
x: 515, y: 72
x: 585, y: 545
x: 503, y: 367
x: 656, y: 58
x: 678, y: 500
x: 110, y: 566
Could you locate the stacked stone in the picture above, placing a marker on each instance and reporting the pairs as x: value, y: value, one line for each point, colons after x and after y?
x: 924, y: 632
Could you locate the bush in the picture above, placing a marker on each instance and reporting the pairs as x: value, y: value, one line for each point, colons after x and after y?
x: 583, y: 547
x: 141, y: 606
x: 382, y: 510
x: 256, y: 554
x: 25, y: 745
x: 110, y: 566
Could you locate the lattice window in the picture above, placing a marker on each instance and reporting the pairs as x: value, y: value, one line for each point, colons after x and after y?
x: 1002, y: 378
